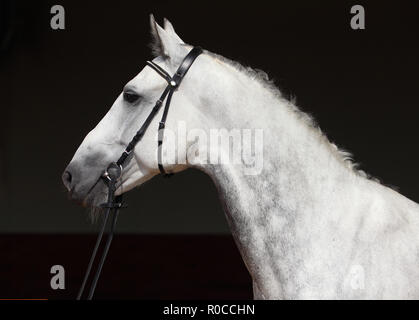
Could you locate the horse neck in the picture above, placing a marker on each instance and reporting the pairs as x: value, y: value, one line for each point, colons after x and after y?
x: 299, y: 163
x: 303, y: 175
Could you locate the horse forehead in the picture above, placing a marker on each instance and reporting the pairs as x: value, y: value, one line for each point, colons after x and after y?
x: 144, y: 78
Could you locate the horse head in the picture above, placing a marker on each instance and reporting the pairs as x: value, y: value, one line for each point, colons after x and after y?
x: 106, y: 142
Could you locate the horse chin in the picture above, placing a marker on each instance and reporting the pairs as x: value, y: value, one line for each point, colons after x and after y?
x: 92, y: 199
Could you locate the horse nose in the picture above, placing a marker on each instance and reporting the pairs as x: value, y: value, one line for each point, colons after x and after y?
x: 67, y: 179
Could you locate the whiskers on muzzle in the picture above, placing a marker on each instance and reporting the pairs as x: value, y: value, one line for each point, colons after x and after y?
x: 95, y: 213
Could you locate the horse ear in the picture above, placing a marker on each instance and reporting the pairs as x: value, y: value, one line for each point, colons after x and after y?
x: 156, y: 44
x: 165, y: 43
x: 168, y: 27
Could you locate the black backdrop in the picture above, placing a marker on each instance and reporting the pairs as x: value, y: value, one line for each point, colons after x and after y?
x: 361, y: 86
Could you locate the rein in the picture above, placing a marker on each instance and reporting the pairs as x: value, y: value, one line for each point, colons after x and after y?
x: 114, y: 170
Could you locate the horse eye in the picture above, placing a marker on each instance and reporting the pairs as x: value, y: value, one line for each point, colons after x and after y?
x: 130, y: 96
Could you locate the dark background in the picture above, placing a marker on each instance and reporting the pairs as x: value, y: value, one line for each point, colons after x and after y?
x: 55, y: 86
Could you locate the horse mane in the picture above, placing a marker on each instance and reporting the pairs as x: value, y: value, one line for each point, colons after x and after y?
x: 268, y: 83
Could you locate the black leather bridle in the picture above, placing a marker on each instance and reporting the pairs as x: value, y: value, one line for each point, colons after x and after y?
x: 114, y: 170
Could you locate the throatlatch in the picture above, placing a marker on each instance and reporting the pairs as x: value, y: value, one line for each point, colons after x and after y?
x: 114, y: 170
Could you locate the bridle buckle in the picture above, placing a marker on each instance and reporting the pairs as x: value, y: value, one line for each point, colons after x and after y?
x: 113, y: 172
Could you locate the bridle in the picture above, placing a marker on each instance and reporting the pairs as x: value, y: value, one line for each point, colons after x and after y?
x: 114, y: 170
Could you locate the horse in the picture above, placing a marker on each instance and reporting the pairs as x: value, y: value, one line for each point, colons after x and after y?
x: 308, y: 224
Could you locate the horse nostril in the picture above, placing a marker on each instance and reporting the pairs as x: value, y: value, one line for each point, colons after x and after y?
x: 67, y: 177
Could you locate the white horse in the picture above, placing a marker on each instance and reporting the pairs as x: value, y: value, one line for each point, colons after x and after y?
x: 308, y: 226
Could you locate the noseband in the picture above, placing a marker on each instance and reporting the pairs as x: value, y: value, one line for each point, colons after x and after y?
x: 114, y: 170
